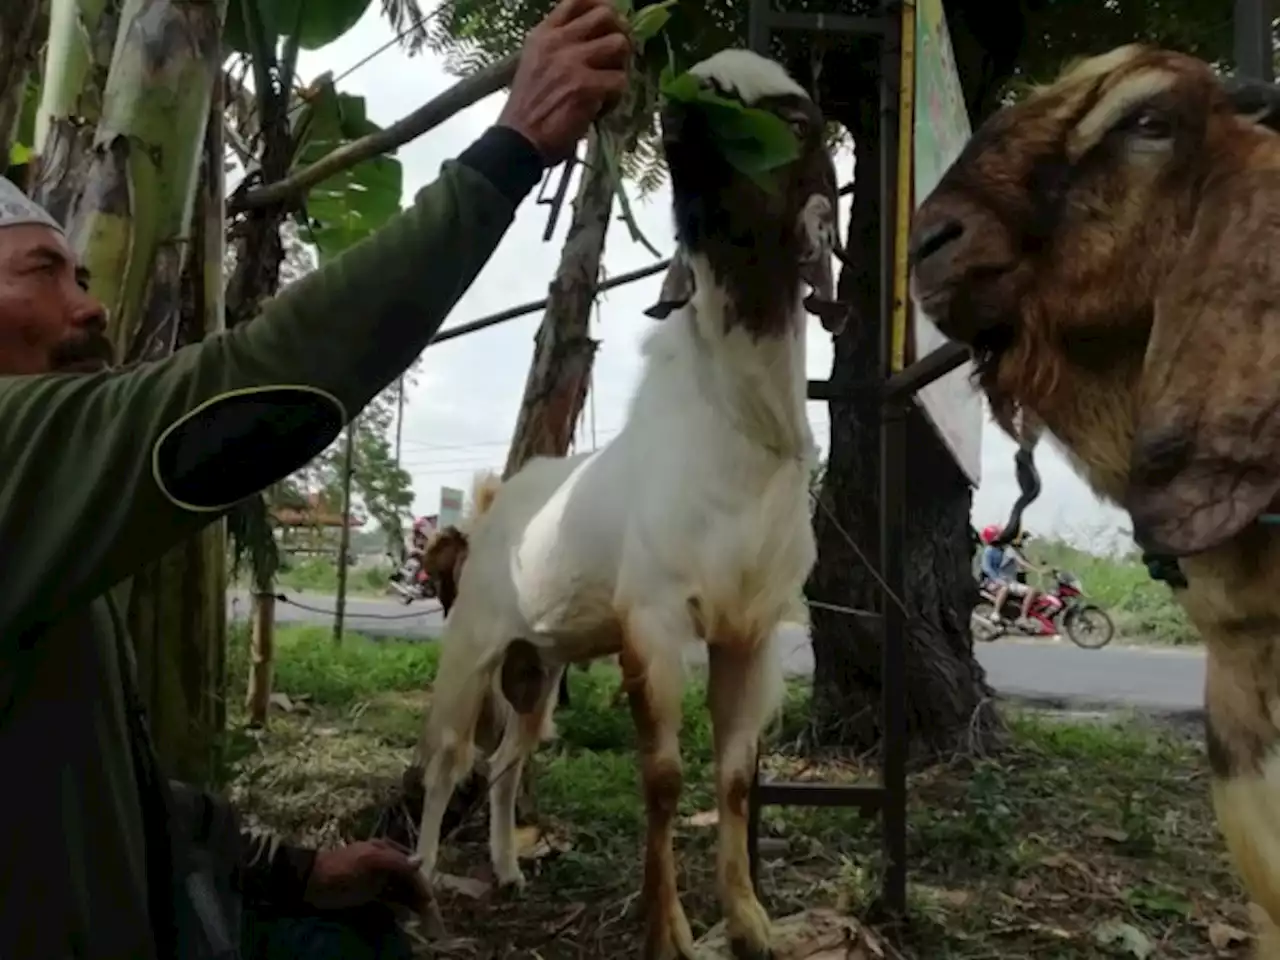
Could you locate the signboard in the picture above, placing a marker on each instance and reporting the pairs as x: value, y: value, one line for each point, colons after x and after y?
x: 941, y: 129
x: 451, y: 500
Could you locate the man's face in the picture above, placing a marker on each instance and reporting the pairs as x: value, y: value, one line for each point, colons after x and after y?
x: 48, y: 321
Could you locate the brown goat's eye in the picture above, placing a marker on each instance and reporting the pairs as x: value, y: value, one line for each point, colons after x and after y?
x: 799, y: 126
x: 1151, y: 124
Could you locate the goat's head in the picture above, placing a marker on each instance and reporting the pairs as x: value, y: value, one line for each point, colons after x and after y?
x: 761, y: 245
x: 1125, y: 219
x: 443, y: 559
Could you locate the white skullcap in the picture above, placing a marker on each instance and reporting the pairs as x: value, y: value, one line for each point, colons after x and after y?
x: 17, y: 208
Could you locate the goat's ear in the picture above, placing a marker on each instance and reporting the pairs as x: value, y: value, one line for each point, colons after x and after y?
x: 1206, y: 454
x: 677, y: 288
x: 1255, y: 100
x: 819, y: 231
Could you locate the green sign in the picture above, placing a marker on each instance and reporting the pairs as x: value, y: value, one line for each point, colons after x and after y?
x: 940, y: 131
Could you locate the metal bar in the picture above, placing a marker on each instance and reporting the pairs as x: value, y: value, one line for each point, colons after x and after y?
x: 867, y: 797
x: 1253, y: 51
x: 892, y: 500
x: 940, y: 362
x: 758, y: 27
x: 826, y: 390
x: 524, y: 309
x: 828, y: 23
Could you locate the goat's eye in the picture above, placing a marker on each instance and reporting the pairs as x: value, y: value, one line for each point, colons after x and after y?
x: 1151, y: 125
x: 799, y: 126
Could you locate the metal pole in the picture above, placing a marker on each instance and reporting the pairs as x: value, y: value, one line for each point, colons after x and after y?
x: 399, y: 415
x: 892, y: 493
x: 1254, y: 57
x: 344, y: 538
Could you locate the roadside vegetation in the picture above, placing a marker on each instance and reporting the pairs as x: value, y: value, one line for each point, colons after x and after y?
x: 1087, y: 838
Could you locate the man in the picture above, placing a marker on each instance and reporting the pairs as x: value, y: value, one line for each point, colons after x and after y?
x: 147, y: 456
x: 1001, y: 565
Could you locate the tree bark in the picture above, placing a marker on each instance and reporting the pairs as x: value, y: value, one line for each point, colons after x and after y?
x: 564, y: 352
x: 948, y: 701
x: 23, y: 29
x: 130, y: 220
x: 82, y: 38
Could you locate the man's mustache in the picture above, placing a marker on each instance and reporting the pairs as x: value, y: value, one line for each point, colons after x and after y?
x: 91, y: 350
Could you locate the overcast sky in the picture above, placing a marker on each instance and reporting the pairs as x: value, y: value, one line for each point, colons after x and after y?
x: 460, y: 416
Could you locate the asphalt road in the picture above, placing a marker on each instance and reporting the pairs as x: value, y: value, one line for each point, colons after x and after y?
x: 1146, y: 678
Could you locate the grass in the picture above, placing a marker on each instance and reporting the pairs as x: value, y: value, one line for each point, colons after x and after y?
x: 1143, y: 609
x: 1084, y: 839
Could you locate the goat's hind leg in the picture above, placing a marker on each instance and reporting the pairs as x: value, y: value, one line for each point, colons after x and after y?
x: 744, y: 689
x: 653, y: 674
x: 528, y: 685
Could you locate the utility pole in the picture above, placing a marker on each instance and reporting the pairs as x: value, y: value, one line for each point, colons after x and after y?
x: 399, y: 415
x: 344, y: 538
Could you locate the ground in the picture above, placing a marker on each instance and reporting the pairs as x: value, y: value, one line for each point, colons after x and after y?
x: 1088, y: 838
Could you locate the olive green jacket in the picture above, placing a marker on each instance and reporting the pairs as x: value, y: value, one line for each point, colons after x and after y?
x: 104, y: 473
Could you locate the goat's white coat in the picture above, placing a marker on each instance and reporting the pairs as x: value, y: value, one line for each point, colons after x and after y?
x: 693, y: 519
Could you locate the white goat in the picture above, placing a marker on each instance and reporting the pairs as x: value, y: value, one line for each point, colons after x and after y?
x: 692, y: 524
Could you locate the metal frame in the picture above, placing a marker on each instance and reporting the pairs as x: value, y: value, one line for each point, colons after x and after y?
x: 1254, y: 55
x: 896, y: 393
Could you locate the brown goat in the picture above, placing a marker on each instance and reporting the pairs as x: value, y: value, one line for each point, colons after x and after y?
x: 1107, y: 247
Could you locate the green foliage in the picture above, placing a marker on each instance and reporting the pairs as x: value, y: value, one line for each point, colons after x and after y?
x: 347, y: 207
x: 314, y: 22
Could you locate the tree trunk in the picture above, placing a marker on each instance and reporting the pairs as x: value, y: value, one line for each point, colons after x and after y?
x: 948, y: 703
x: 23, y: 28
x: 131, y: 224
x: 82, y: 37
x: 261, y: 657
x: 563, y: 350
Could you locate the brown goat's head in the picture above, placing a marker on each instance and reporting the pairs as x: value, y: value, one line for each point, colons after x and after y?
x: 443, y: 559
x: 761, y: 245
x: 1125, y: 215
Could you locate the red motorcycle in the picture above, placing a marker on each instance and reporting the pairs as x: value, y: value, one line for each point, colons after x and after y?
x: 1059, y: 610
x: 413, y: 585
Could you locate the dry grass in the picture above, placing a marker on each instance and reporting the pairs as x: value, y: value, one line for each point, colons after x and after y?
x: 1084, y: 840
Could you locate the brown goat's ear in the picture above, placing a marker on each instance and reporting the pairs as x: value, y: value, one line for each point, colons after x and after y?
x: 1206, y: 454
x: 678, y: 287
x: 819, y: 231
x: 444, y: 559
x: 1255, y: 100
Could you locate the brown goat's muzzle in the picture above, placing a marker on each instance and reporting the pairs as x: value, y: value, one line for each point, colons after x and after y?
x: 956, y: 254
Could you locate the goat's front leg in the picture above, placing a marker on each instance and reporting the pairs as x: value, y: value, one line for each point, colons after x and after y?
x: 744, y: 689
x: 653, y: 674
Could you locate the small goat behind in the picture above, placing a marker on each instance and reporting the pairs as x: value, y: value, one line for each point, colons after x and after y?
x: 691, y: 525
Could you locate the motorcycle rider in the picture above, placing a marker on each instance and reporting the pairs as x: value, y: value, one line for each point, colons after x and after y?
x: 414, y: 547
x: 1001, y: 565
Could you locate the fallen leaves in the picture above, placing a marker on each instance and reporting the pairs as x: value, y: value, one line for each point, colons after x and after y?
x: 1124, y: 937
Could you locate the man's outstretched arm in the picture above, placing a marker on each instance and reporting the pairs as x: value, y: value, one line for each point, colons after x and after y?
x: 99, y: 474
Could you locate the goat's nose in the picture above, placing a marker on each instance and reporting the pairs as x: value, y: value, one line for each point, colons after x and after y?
x: 929, y: 238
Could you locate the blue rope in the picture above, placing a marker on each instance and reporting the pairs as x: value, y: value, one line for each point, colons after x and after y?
x: 1270, y: 519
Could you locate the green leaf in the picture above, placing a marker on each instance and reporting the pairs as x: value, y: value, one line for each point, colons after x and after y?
x: 319, y: 22
x: 648, y: 22
x: 753, y: 141
x: 19, y: 154
x: 348, y: 206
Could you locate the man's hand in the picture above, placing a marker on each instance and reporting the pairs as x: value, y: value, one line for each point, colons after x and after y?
x: 359, y: 873
x: 574, y: 63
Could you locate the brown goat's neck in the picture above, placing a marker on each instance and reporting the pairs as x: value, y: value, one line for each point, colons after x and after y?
x: 1091, y: 413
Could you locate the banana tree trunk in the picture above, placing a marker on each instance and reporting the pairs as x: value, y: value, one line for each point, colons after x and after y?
x: 82, y: 37
x: 564, y: 351
x: 131, y: 224
x: 23, y: 28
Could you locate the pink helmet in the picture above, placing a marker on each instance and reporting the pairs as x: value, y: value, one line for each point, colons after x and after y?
x: 989, y: 533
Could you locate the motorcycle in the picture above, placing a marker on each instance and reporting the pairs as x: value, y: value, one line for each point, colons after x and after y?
x: 413, y: 585
x: 1059, y: 610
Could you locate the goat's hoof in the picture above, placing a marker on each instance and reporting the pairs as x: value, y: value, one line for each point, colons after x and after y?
x: 744, y: 949
x: 670, y: 940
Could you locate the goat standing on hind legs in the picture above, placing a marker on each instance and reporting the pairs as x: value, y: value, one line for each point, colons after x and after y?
x: 1109, y: 249
x: 691, y: 525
